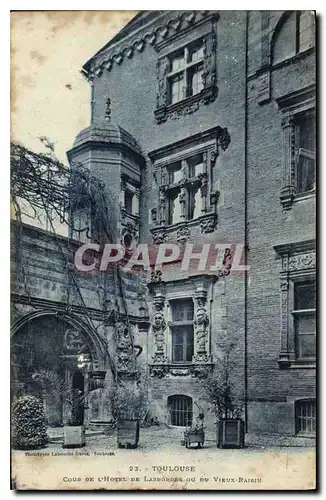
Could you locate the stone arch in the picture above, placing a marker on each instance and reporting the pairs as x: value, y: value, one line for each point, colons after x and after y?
x: 53, y: 347
x: 277, y: 33
x: 91, y: 338
x: 289, y: 37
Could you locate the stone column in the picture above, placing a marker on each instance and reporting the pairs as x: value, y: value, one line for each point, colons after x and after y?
x: 201, y: 323
x: 203, y: 192
x: 288, y: 184
x: 135, y: 203
x: 159, y: 329
x: 182, y: 201
x: 162, y: 206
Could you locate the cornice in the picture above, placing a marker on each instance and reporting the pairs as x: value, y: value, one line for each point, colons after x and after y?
x: 157, y: 37
x: 297, y: 247
x: 61, y: 307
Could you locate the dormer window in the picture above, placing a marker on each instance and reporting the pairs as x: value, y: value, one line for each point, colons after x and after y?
x: 186, y: 70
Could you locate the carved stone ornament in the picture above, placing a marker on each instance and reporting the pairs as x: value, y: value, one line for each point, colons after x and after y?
x: 108, y: 109
x: 157, y: 37
x: 158, y: 371
x: 156, y: 276
x: 302, y: 261
x: 209, y: 223
x: 166, y: 110
x: 159, y: 236
x: 183, y: 235
x: 74, y: 342
x: 201, y: 323
x: 226, y: 264
x: 125, y: 356
x: 159, y: 327
x: 200, y: 372
x: 180, y: 372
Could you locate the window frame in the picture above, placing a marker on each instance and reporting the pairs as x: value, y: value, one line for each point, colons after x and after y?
x: 209, y: 143
x: 205, y: 32
x: 297, y: 313
x: 184, y: 323
x: 297, y: 403
x: 302, y: 152
x: 298, y: 51
x: 298, y: 267
x: 186, y: 414
x: 185, y: 70
x: 293, y: 106
x: 187, y: 183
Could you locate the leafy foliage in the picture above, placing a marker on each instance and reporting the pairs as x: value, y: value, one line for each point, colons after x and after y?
x: 220, y: 388
x: 28, y: 424
x: 41, y: 183
x: 128, y: 403
x: 51, y: 383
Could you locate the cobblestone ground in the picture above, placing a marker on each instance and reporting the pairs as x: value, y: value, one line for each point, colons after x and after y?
x: 161, y: 437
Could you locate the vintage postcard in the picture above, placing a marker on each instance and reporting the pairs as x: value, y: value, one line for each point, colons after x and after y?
x: 163, y: 250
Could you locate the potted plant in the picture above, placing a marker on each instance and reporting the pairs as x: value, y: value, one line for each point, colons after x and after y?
x: 74, y: 430
x: 128, y: 406
x: 28, y: 424
x: 228, y: 410
x: 74, y: 401
x: 195, y: 433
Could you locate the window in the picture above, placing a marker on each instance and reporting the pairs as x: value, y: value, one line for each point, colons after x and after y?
x: 306, y: 157
x: 305, y: 319
x: 185, y: 75
x: 185, y: 203
x: 299, y: 143
x: 174, y: 206
x: 305, y: 416
x: 180, y: 408
x: 186, y: 177
x: 182, y: 330
x: 128, y: 201
x: 305, y: 30
x: 295, y: 34
x: 298, y: 304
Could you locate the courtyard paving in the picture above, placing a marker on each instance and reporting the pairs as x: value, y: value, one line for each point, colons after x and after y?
x: 168, y: 438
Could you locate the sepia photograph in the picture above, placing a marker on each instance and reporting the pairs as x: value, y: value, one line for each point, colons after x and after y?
x: 163, y: 250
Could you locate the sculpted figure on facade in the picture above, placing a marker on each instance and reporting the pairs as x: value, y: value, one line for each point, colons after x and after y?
x: 125, y: 352
x: 74, y: 342
x: 201, y: 323
x: 159, y: 329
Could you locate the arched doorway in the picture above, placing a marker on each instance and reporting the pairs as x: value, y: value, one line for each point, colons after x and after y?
x: 52, y: 356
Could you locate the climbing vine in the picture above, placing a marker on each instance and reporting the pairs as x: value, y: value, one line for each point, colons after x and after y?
x: 44, y: 191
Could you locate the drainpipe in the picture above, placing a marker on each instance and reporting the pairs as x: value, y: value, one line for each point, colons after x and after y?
x: 210, y: 318
x: 246, y: 230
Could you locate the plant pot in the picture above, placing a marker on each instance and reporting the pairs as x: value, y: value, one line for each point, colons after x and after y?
x: 230, y: 433
x: 194, y: 437
x: 73, y: 436
x: 128, y: 433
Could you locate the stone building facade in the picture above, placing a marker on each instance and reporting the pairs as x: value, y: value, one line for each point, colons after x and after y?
x: 203, y: 131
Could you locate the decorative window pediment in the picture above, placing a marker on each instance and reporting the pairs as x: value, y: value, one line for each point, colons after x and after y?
x: 186, y: 178
x: 299, y: 139
x: 186, y: 74
x: 180, y: 328
x: 298, y: 304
